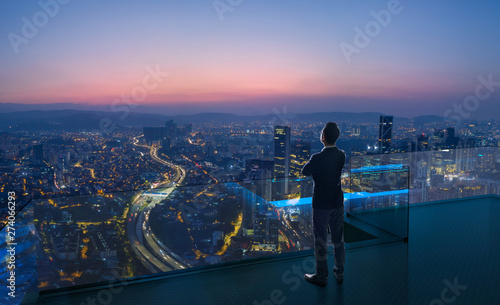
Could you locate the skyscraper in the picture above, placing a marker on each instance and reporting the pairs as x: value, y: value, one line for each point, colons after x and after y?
x: 385, y: 133
x: 450, y: 140
x: 171, y: 129
x: 300, y: 154
x: 438, y: 139
x: 266, y: 231
x: 423, y: 143
x: 153, y: 134
x: 281, y: 151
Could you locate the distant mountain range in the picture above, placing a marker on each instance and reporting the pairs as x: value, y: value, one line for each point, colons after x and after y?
x: 14, y: 107
x: 71, y: 120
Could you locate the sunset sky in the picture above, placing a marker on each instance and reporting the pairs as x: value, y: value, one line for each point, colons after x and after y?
x: 260, y: 55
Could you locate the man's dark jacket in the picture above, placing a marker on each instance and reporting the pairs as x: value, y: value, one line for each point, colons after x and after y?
x: 326, y: 169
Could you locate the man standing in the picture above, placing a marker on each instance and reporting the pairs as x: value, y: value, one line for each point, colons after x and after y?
x: 328, y: 205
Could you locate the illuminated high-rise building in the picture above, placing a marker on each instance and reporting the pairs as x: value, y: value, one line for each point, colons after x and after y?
x: 300, y: 154
x: 385, y: 133
x: 266, y: 231
x: 281, y: 151
x: 423, y: 143
x: 450, y: 140
x: 438, y: 139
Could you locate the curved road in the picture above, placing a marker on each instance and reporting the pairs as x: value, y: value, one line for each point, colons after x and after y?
x: 161, y: 259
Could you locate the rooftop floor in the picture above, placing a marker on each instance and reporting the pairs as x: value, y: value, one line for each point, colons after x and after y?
x: 452, y: 257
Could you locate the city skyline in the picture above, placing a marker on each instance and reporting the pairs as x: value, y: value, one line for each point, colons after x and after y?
x: 254, y: 57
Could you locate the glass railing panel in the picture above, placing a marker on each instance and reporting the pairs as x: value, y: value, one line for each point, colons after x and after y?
x: 99, y: 238
x: 378, y: 197
x: 453, y: 173
x: 444, y: 174
x: 277, y: 215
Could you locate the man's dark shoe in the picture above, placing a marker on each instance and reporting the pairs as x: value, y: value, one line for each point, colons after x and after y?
x: 339, y: 277
x: 313, y: 278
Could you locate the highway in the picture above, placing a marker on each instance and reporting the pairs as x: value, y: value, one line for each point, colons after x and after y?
x: 158, y: 247
x: 289, y: 233
x: 136, y: 239
x: 160, y: 258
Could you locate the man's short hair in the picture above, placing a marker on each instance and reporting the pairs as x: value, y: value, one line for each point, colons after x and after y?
x: 331, y: 132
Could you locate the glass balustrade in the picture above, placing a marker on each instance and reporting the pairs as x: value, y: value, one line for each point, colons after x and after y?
x: 88, y: 239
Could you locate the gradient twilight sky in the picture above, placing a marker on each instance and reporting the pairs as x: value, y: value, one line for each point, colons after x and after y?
x: 264, y: 54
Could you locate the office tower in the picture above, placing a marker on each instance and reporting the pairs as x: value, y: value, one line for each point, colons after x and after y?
x: 171, y: 129
x: 154, y: 134
x: 450, y: 141
x: 281, y: 151
x: 443, y: 161
x: 38, y: 153
x: 385, y: 133
x: 300, y: 154
x: 266, y: 231
x: 418, y: 192
x: 423, y: 143
x: 486, y: 159
x: 255, y: 199
x: 62, y: 162
x: 438, y: 139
